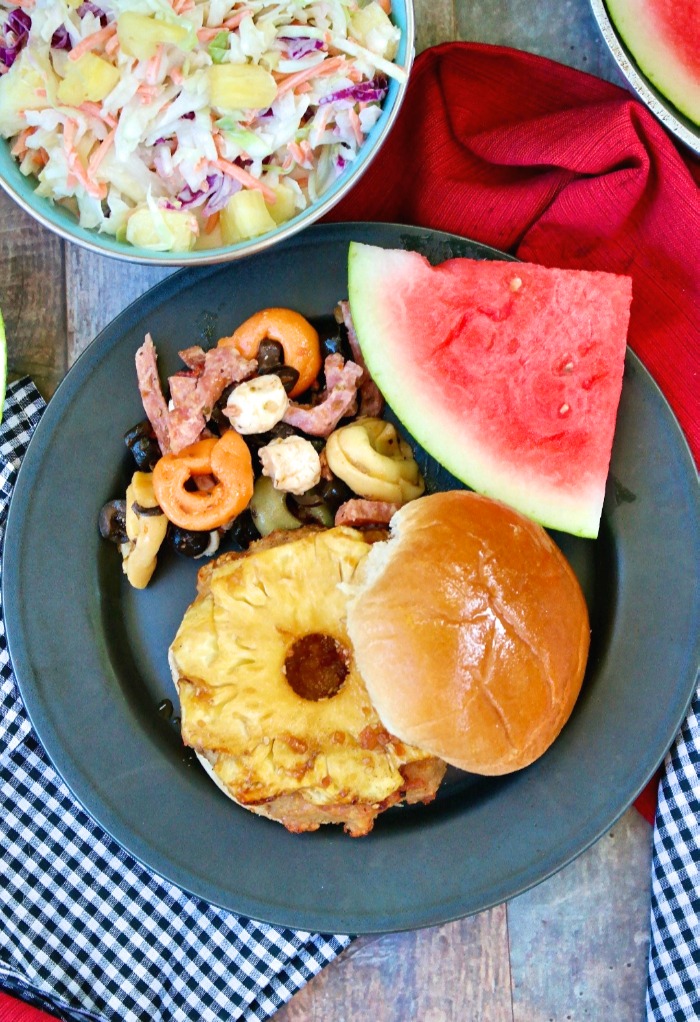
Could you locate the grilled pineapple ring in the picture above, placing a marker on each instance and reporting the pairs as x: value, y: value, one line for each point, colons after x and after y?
x: 300, y: 760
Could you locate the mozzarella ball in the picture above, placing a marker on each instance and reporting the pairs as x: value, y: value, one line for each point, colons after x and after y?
x: 292, y: 464
x: 257, y: 405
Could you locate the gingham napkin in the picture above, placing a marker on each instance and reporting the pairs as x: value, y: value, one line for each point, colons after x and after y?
x: 86, y: 932
x: 673, y: 991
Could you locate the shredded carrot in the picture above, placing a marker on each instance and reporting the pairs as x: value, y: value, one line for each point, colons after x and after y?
x: 206, y: 34
x: 41, y: 157
x: 176, y: 76
x: 95, y: 110
x: 100, y: 153
x: 147, y: 93
x: 355, y: 125
x: 78, y: 173
x: 153, y: 66
x: 301, y: 153
x: 385, y: 5
x: 326, y: 67
x: 93, y: 42
x: 246, y: 179
x: 321, y: 120
x: 20, y: 146
x: 211, y: 223
x: 26, y: 4
x: 41, y: 93
x: 112, y: 45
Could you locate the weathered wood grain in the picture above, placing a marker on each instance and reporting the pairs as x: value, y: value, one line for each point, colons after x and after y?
x: 97, y: 290
x: 579, y: 943
x: 453, y: 973
x: 435, y: 22
x: 32, y: 297
x: 565, y: 31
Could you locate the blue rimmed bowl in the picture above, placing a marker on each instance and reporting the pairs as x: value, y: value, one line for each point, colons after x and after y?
x: 61, y: 221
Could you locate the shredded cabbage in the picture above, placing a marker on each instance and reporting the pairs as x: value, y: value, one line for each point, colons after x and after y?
x: 116, y: 117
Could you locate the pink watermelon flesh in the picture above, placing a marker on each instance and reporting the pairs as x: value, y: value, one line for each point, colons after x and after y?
x: 664, y: 38
x: 508, y: 373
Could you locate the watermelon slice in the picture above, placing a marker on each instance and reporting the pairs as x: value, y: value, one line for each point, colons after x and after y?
x: 664, y: 38
x: 508, y: 373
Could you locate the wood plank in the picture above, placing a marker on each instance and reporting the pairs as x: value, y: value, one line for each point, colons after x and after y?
x: 97, y: 289
x: 430, y: 975
x: 32, y: 297
x: 579, y: 942
x: 564, y: 32
x: 435, y: 22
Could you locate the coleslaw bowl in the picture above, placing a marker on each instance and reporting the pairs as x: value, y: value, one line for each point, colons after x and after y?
x: 58, y: 218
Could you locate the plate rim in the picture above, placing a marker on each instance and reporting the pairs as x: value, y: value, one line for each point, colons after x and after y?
x: 307, y: 919
x: 670, y: 116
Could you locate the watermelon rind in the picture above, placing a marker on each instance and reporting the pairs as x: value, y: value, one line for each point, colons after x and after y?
x: 418, y: 401
x: 646, y: 36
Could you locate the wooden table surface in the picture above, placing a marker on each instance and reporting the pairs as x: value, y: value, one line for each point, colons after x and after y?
x: 575, y: 947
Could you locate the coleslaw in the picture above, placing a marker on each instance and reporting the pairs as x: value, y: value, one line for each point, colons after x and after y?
x: 187, y: 124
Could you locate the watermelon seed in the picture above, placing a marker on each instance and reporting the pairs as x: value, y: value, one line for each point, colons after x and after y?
x: 564, y: 410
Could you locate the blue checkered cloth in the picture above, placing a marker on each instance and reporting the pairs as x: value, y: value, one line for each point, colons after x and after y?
x: 673, y: 990
x: 86, y: 932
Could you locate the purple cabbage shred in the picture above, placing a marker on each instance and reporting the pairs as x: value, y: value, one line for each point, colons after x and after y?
x: 363, y: 92
x: 89, y: 8
x: 220, y: 188
x: 302, y: 47
x: 17, y: 27
x: 61, y: 40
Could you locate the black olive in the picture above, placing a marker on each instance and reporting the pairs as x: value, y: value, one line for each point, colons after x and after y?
x: 187, y: 542
x: 309, y: 509
x: 217, y: 423
x: 145, y: 512
x: 288, y: 375
x: 142, y: 443
x: 317, y: 442
x: 243, y: 531
x: 335, y: 492
x: 112, y: 522
x: 257, y: 440
x: 165, y: 709
x: 333, y: 337
x: 270, y: 356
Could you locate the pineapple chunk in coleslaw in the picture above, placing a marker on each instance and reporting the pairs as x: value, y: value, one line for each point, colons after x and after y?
x: 182, y: 105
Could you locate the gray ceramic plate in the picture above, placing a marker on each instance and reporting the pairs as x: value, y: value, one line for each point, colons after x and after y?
x: 90, y: 654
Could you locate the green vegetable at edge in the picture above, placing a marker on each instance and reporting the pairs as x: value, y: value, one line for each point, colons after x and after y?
x: 218, y: 47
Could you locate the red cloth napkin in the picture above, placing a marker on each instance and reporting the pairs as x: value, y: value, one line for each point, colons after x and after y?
x: 556, y: 167
x: 12, y: 1010
x: 559, y: 168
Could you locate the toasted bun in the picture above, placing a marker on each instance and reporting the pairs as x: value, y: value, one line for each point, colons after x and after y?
x: 471, y: 632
